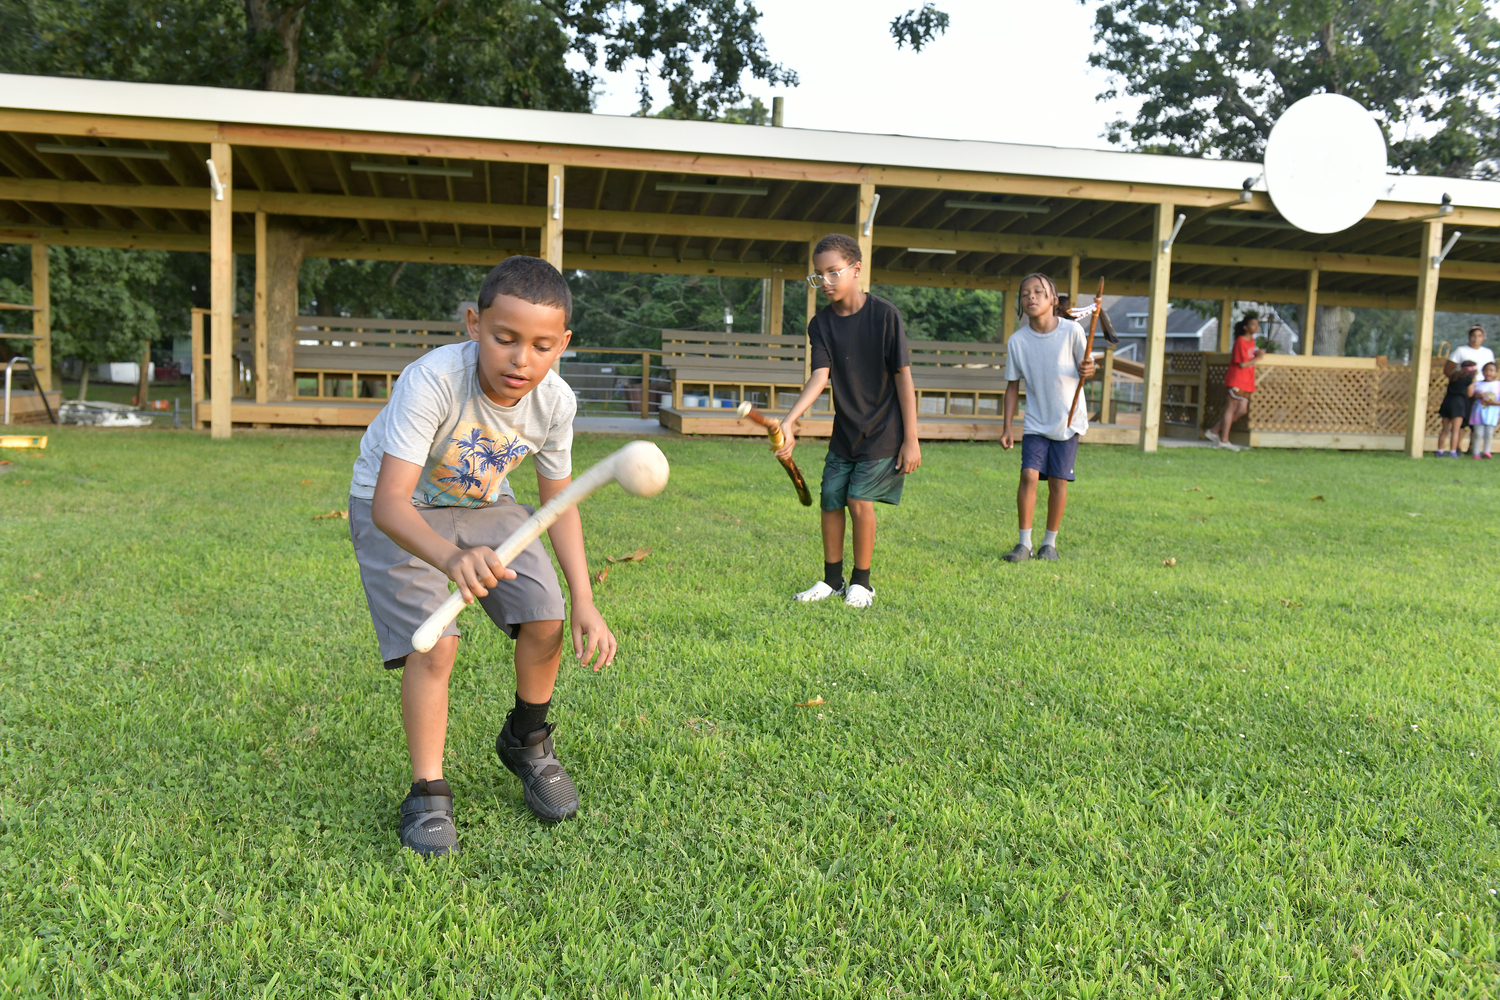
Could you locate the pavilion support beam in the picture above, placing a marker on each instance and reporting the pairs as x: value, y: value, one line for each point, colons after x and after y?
x: 41, y: 320
x: 552, y: 225
x: 1008, y: 309
x: 284, y: 250
x: 776, y: 302
x: 1421, y: 345
x: 261, y: 322
x: 1226, y: 325
x: 812, y: 309
x: 1157, y: 307
x: 1310, y: 312
x: 866, y: 223
x: 221, y: 292
x: 1074, y: 266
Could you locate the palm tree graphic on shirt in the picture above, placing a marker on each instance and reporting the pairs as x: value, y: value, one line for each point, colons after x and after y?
x: 476, y: 465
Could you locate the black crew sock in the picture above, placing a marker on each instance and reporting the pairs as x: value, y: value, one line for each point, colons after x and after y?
x: 435, y: 786
x: 833, y: 574
x: 527, y: 718
x: 861, y: 577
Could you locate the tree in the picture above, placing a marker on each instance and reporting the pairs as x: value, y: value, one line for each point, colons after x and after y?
x: 101, y: 303
x: 1214, y: 75
x: 947, y: 313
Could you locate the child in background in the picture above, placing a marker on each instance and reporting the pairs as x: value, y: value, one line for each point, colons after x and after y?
x: 1486, y: 413
x: 1049, y: 354
x: 1239, y: 381
x: 1455, y: 407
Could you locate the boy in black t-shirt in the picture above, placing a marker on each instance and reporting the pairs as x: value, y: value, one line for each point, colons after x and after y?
x: 858, y: 344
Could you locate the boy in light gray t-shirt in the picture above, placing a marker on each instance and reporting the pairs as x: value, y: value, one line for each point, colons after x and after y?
x: 1050, y: 354
x: 429, y: 502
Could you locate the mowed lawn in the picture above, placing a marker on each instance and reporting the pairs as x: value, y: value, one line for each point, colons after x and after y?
x: 1268, y: 770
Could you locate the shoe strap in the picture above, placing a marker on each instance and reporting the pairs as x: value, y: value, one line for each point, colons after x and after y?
x: 536, y: 751
x: 427, y: 804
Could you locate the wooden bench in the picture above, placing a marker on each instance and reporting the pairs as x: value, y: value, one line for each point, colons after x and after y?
x: 339, y: 357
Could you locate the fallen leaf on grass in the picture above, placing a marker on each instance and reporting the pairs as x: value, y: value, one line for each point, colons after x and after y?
x: 5, y: 461
x: 1209, y: 497
x: 1318, y: 498
x: 1287, y: 602
x: 1169, y: 561
x: 25, y: 481
x: 305, y: 482
x: 635, y: 556
x: 36, y: 576
x: 813, y: 702
x: 340, y: 514
x: 1262, y: 480
x: 1412, y: 513
x: 1192, y: 489
x: 599, y: 577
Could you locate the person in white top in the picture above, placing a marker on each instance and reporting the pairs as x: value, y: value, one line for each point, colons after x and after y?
x: 1475, y: 352
x: 1050, y: 354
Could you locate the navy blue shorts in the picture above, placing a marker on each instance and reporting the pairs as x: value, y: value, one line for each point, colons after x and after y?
x: 844, y: 480
x: 1053, y: 459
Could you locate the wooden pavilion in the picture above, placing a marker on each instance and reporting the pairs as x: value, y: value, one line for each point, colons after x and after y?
x: 282, y: 176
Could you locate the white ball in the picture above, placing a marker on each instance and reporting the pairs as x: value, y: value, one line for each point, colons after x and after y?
x: 642, y: 469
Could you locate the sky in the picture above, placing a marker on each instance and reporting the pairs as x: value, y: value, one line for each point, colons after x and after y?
x: 1007, y: 70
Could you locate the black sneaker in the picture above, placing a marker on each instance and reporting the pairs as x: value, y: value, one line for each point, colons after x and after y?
x: 1020, y: 553
x: 1048, y: 552
x: 427, y: 824
x: 548, y: 790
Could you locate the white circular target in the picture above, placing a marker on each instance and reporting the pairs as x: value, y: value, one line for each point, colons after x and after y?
x: 1325, y: 163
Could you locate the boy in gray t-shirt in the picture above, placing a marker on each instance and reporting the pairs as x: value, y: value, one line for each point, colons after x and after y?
x: 1049, y: 353
x: 429, y: 501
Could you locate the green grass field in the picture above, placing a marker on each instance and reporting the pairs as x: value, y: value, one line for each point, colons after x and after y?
x: 1266, y: 771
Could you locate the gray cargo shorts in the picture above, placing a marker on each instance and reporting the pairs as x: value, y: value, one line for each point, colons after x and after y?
x: 402, y: 590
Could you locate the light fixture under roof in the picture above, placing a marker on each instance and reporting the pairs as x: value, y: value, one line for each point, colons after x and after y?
x: 1234, y: 220
x: 411, y: 168
x: 998, y: 206
x: 710, y: 188
x: 928, y: 250
x: 1482, y: 237
x: 121, y: 152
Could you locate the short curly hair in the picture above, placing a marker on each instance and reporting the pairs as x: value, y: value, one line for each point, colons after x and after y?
x: 530, y: 279
x: 845, y: 246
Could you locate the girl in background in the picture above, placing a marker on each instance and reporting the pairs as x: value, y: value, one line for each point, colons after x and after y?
x: 1239, y: 380
x: 1486, y: 413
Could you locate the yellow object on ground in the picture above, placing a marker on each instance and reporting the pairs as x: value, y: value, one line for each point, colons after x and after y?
x: 23, y: 441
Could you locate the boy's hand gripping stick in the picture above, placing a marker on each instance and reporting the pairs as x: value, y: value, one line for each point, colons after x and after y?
x: 641, y: 470
x: 1088, y: 351
x: 773, y: 431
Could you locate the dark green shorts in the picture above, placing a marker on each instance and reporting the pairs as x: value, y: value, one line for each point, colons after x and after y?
x: 844, y: 480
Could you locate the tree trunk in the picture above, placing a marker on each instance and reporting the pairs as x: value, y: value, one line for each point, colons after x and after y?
x: 283, y: 23
x: 1332, y: 330
x: 143, y: 383
x: 284, y: 250
x: 83, y: 382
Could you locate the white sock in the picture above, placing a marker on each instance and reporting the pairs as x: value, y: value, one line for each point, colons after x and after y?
x: 1050, y: 538
x: 1026, y: 537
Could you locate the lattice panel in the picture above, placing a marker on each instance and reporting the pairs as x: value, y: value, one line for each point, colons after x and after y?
x: 1184, y: 362
x: 1326, y: 400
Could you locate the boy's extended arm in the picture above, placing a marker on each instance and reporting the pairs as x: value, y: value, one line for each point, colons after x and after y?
x: 566, y: 534
x: 909, y: 458
x: 1012, y: 396
x: 474, y: 570
x: 811, y: 391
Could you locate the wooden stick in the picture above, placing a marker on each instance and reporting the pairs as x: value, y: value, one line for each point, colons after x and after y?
x: 773, y: 431
x: 1088, y: 351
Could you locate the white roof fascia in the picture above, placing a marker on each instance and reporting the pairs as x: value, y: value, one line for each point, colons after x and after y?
x: 367, y: 114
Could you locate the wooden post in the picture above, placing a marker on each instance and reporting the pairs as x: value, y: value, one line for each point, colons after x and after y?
x: 143, y: 382
x: 198, y: 375
x: 645, y: 385
x: 1226, y: 326
x: 221, y: 292
x: 812, y: 309
x: 776, y: 302
x: 1107, y: 394
x: 1156, y: 328
x: 1310, y: 313
x: 866, y: 239
x: 41, y: 320
x: 552, y: 229
x: 262, y: 315
x: 1421, y: 345
x: 1008, y: 310
x: 1074, y: 263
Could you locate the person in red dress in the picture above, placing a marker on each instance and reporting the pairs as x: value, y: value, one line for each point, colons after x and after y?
x: 1239, y: 380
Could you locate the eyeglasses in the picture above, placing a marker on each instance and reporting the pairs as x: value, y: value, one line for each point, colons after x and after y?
x: 831, y: 278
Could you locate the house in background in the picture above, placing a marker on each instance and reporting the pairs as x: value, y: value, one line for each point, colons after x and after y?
x: 1188, y: 330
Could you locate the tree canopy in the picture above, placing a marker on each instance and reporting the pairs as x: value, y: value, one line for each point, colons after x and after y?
x: 1213, y: 76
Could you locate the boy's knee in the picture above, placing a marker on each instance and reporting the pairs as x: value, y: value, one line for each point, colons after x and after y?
x: 549, y: 631
x: 1030, y: 476
x: 437, y: 662
x: 862, y: 508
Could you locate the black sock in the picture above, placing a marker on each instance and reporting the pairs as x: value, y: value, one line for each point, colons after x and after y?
x: 860, y: 577
x: 527, y: 718
x: 436, y: 786
x: 833, y: 574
